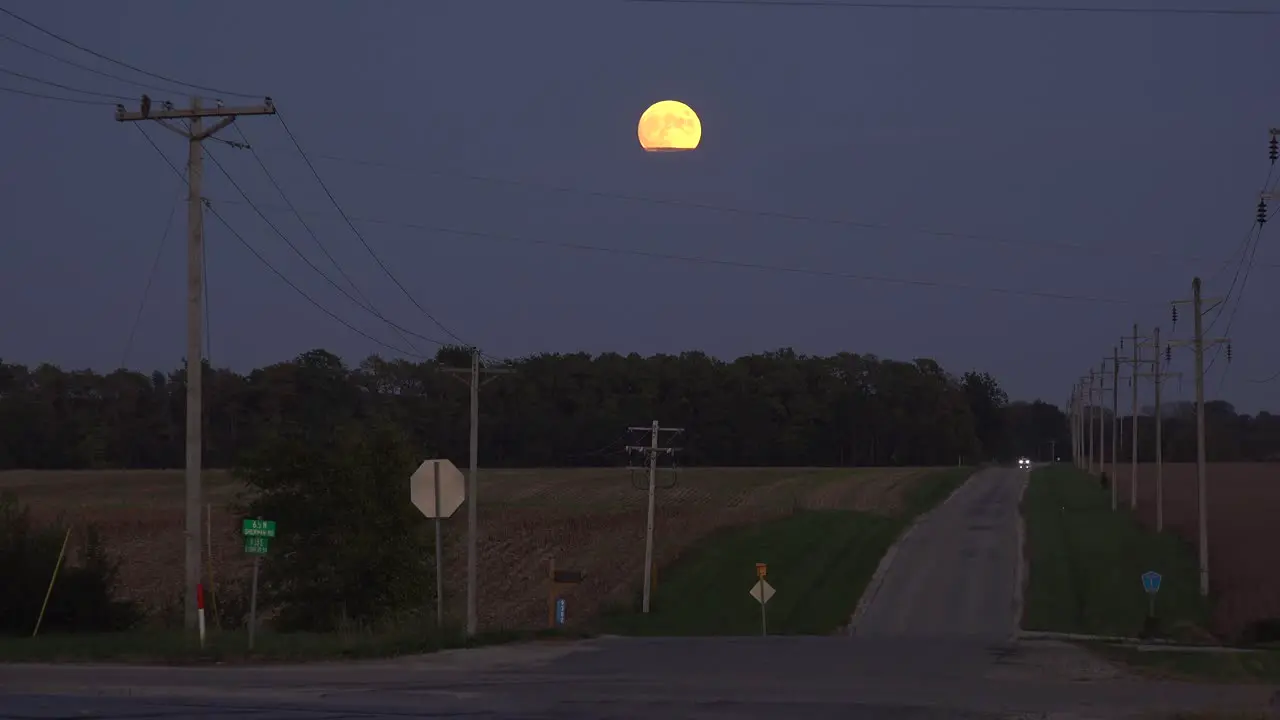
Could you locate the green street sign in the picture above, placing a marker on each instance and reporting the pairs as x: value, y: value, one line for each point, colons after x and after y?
x: 259, y: 528
x: 256, y: 545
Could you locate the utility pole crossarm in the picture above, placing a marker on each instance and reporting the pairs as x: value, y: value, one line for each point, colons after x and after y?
x: 171, y: 113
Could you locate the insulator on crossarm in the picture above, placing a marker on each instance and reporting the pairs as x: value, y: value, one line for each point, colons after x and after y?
x: 1275, y: 150
x: 1262, y: 212
x: 1168, y: 353
x: 1175, y: 314
x: 1228, y: 352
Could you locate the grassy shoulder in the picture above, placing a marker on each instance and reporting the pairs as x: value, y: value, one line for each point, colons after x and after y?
x: 819, y: 563
x: 1262, y: 666
x: 1086, y: 563
x: 178, y: 648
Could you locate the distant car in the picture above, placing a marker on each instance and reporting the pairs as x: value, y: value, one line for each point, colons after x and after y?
x: 1024, y: 464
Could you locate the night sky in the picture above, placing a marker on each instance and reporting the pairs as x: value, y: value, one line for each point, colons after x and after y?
x: 1107, y: 158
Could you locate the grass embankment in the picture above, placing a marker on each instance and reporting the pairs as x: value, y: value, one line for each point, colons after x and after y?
x: 1086, y: 563
x: 1262, y: 666
x: 819, y: 563
x: 176, y: 647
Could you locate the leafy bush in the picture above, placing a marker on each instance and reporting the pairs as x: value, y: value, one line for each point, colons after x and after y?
x: 350, y: 546
x: 81, y: 599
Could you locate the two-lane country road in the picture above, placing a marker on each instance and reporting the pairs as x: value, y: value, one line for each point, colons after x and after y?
x: 955, y: 573
x: 933, y: 643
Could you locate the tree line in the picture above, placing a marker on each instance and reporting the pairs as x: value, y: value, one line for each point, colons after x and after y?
x: 776, y: 408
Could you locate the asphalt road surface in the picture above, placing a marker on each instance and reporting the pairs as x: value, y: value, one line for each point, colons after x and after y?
x: 933, y: 643
x: 956, y: 572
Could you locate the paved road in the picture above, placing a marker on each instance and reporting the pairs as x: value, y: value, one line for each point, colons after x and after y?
x: 934, y: 643
x: 785, y: 677
x: 955, y: 573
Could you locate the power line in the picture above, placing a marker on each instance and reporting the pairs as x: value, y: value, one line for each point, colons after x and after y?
x: 70, y: 88
x: 315, y: 238
x: 703, y: 260
x: 306, y: 259
x: 121, y: 63
x: 86, y: 68
x: 146, y: 290
x: 271, y: 267
x: 772, y: 214
x: 364, y: 242
x: 973, y: 7
x: 79, y: 101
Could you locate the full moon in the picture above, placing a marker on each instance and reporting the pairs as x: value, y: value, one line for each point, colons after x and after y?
x: 669, y: 126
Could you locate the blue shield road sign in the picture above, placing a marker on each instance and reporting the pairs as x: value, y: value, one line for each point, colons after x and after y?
x: 1151, y: 581
x: 559, y: 611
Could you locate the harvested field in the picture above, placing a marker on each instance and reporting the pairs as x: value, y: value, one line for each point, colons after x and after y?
x: 589, y: 518
x: 1244, y: 503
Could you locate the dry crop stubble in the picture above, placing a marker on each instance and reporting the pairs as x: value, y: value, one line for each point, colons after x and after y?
x: 589, y: 519
x: 1244, y: 504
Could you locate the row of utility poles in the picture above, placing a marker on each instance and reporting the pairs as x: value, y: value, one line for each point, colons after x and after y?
x: 1086, y: 413
x: 1088, y: 417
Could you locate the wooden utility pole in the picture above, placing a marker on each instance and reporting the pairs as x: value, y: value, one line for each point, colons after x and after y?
x: 1158, y: 375
x: 652, y: 450
x: 473, y: 377
x: 1197, y: 343
x: 195, y: 133
x: 1115, y: 421
x: 1134, y: 361
x: 1102, y: 383
x: 1084, y: 395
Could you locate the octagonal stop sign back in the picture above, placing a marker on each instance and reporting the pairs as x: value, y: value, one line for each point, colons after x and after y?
x: 453, y: 488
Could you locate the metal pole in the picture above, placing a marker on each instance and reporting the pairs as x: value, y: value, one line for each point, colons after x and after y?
x: 1115, y: 421
x: 472, y: 495
x: 253, y: 601
x: 1200, y: 437
x: 1133, y: 420
x: 213, y: 588
x: 764, y: 617
x: 648, y: 533
x: 1159, y: 439
x: 195, y: 365
x: 439, y: 564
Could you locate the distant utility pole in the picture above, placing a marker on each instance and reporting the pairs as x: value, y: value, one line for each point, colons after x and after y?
x: 1083, y: 401
x: 1158, y: 376
x: 1115, y: 422
x: 1102, y: 421
x: 651, y: 450
x: 1197, y: 344
x: 1072, y: 402
x: 195, y: 133
x: 1053, y: 451
x: 1093, y: 406
x: 1138, y: 342
x: 1102, y: 447
x: 473, y: 377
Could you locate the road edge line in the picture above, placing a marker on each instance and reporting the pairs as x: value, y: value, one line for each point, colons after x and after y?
x: 877, y: 578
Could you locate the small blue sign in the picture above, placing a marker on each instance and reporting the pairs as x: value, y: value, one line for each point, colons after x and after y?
x: 560, y: 610
x: 1151, y: 581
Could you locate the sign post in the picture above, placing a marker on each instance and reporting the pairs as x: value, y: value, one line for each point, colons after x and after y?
x: 257, y: 539
x: 437, y: 489
x: 1151, y: 584
x: 762, y: 591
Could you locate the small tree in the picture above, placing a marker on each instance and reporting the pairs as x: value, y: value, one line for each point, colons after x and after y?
x: 82, y: 598
x: 350, y: 546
